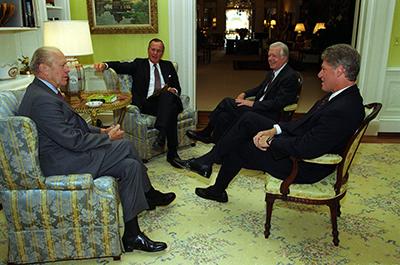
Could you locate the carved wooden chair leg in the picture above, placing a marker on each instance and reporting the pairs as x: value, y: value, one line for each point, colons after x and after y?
x: 338, y: 209
x: 270, y: 203
x: 333, y: 206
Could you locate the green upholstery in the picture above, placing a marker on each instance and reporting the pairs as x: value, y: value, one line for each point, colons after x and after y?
x: 56, y: 217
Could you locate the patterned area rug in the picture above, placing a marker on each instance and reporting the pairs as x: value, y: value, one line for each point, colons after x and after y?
x: 204, y: 232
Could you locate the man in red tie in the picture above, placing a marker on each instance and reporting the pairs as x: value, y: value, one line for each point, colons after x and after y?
x: 149, y: 76
x: 279, y: 89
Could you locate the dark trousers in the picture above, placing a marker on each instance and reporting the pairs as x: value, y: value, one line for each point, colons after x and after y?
x: 236, y: 150
x: 225, y: 114
x: 123, y: 163
x: 166, y: 108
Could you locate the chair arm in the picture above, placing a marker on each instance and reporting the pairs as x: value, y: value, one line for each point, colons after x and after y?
x: 133, y: 113
x: 69, y: 182
x: 327, y: 159
x: 185, y: 101
x: 291, y: 107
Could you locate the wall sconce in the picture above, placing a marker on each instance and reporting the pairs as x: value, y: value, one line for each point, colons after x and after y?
x: 318, y: 26
x: 299, y: 28
x: 214, y: 22
x: 72, y: 37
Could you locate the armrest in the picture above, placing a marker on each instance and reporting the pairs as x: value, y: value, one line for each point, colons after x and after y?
x: 185, y: 101
x: 327, y: 159
x: 291, y: 107
x: 69, y: 182
x: 330, y: 159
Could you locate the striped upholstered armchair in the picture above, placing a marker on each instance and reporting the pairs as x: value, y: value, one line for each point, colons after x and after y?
x: 139, y: 127
x: 55, y: 217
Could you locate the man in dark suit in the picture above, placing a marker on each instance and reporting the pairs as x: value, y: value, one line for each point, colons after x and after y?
x: 67, y: 144
x: 149, y: 76
x: 279, y: 89
x: 256, y: 142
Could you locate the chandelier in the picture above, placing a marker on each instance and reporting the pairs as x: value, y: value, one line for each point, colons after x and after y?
x: 239, y: 4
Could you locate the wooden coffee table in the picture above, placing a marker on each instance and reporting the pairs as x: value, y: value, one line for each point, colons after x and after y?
x: 118, y: 107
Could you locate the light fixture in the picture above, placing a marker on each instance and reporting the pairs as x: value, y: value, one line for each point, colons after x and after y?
x: 318, y: 26
x: 72, y: 37
x: 214, y: 22
x: 272, y: 23
x: 299, y: 28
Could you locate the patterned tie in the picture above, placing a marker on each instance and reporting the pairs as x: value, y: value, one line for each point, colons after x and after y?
x: 267, y: 86
x: 60, y: 95
x: 157, y: 80
x: 323, y: 101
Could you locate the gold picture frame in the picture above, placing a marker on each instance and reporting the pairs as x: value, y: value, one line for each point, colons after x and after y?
x: 123, y: 16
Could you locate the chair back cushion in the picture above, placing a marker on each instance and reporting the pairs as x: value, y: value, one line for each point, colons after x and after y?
x: 371, y: 111
x: 8, y: 104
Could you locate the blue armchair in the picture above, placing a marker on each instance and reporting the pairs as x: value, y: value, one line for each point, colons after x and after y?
x: 55, y: 217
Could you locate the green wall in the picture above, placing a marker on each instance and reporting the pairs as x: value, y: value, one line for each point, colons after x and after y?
x: 122, y: 46
x: 394, y: 52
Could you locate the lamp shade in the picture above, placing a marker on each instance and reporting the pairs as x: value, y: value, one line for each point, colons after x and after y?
x: 318, y: 26
x: 299, y: 27
x: 72, y: 37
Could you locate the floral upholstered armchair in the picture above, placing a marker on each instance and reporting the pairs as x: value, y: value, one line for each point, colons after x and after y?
x: 139, y: 127
x: 55, y: 217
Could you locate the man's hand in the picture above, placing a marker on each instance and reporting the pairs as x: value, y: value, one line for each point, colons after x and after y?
x: 262, y: 140
x: 114, y: 132
x: 244, y: 102
x: 173, y: 90
x: 241, y: 96
x: 100, y: 67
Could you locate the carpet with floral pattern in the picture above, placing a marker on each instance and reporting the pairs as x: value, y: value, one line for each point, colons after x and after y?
x: 205, y: 232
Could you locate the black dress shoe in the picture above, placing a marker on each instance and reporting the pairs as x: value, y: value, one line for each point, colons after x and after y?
x: 210, y: 194
x: 157, y: 198
x: 202, y: 170
x: 142, y: 242
x: 198, y: 136
x: 176, y: 161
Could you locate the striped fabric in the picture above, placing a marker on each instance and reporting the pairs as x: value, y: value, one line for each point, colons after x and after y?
x: 51, y: 218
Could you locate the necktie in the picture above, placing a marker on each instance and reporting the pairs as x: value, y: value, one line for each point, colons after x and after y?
x: 157, y: 80
x: 59, y: 94
x: 267, y: 86
x: 323, y: 101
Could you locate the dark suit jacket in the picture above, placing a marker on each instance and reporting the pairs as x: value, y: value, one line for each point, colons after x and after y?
x: 67, y: 144
x: 139, y: 69
x: 320, y: 131
x: 280, y: 93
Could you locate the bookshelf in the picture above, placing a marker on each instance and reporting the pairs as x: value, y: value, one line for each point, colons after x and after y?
x: 18, y: 40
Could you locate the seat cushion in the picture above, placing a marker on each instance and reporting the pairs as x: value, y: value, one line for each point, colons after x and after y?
x: 318, y: 191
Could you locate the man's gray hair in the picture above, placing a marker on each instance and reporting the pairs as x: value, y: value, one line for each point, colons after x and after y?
x: 346, y: 56
x: 43, y: 55
x: 284, y: 48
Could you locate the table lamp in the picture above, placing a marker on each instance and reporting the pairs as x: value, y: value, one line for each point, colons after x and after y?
x: 72, y: 37
x: 299, y: 28
x: 318, y: 26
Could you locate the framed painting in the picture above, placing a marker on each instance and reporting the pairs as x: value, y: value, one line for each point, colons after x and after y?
x: 122, y: 16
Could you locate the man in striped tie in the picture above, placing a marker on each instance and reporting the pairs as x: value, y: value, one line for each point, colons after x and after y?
x: 149, y: 76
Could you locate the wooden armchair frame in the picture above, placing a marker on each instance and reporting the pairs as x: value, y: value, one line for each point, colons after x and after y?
x: 342, y: 175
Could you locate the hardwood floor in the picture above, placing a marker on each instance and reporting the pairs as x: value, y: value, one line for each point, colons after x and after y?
x: 381, y: 138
